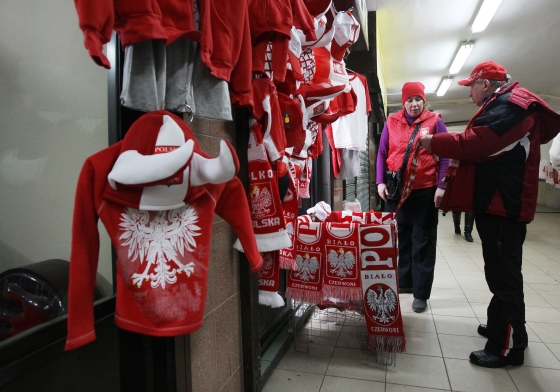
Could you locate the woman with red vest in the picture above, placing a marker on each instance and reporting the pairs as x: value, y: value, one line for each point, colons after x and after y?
x: 417, y: 218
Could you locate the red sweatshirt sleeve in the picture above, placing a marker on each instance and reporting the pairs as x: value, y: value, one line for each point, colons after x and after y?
x: 96, y: 19
x: 234, y: 208
x: 83, y: 262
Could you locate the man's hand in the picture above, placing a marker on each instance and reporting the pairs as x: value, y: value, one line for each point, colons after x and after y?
x: 438, y: 196
x: 382, y: 190
x: 426, y: 142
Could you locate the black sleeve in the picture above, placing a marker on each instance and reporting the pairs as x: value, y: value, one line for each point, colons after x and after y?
x: 502, y: 115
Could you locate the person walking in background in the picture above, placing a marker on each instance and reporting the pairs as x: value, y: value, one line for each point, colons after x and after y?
x: 417, y: 218
x: 469, y: 222
x: 496, y: 177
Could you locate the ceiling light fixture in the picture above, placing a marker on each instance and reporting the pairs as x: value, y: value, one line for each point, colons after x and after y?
x: 485, y: 14
x: 461, y: 56
x: 444, y: 85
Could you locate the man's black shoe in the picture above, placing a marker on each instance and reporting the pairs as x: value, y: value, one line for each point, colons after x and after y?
x: 482, y: 330
x: 485, y: 359
x: 468, y: 236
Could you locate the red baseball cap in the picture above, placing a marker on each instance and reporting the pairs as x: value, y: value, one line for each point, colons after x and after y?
x: 412, y: 88
x: 486, y: 70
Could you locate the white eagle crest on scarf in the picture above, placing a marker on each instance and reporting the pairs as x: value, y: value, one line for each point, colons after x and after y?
x: 383, y: 303
x: 307, y: 267
x: 157, y: 242
x: 341, y: 263
x: 261, y: 201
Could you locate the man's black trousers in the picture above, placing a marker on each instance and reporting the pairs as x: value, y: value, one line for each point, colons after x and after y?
x: 502, y: 249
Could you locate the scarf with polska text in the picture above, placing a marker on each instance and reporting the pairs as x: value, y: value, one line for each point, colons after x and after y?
x: 269, y: 277
x: 379, y: 280
x: 305, y: 281
x: 341, y: 277
x: 264, y: 198
x: 287, y: 257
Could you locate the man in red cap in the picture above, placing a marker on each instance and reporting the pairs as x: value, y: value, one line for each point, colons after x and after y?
x: 495, y: 175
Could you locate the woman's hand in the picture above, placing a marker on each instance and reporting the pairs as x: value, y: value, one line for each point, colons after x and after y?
x: 382, y: 190
x: 438, y: 196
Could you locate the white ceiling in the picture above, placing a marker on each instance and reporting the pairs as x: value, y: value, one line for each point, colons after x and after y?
x: 419, y: 39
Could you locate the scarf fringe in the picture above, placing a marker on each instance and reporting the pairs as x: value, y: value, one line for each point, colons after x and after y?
x: 270, y: 298
x: 287, y: 263
x: 386, y: 344
x: 313, y: 297
x: 342, y: 293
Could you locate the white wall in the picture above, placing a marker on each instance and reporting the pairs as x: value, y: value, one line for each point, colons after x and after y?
x: 53, y: 115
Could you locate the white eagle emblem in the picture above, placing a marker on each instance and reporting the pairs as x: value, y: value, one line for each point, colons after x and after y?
x: 383, y: 303
x: 306, y: 267
x: 157, y: 241
x: 261, y: 200
x: 341, y: 263
x: 268, y: 262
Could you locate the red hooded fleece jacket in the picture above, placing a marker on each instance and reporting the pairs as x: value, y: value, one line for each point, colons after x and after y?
x: 156, y: 193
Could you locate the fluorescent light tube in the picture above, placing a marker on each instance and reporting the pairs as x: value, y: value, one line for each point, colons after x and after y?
x: 444, y: 85
x: 464, y: 52
x: 485, y: 14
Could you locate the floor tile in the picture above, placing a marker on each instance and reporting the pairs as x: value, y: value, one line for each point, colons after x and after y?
x: 447, y: 294
x: 423, y: 343
x: 314, y: 361
x: 354, y: 363
x: 466, y: 377
x: 530, y: 379
x: 337, y: 384
x: 539, y: 355
x: 542, y: 315
x: 408, y: 388
x: 419, y: 371
x: 460, y: 347
x: 419, y: 322
x: 294, y: 381
x: 453, y: 325
x: 452, y: 308
x: 547, y: 333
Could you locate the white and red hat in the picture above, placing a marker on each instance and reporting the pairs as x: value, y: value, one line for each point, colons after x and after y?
x: 160, y: 160
x: 486, y: 70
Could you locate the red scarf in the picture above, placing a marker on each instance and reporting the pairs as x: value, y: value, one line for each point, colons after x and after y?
x: 341, y: 278
x: 287, y: 257
x: 380, y: 289
x: 264, y: 198
x: 305, y: 283
x: 409, y: 177
x: 269, y: 276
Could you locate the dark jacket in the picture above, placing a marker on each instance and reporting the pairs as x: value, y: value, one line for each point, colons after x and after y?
x: 499, y: 155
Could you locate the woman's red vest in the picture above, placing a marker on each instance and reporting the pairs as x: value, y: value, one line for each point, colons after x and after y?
x: 399, y: 135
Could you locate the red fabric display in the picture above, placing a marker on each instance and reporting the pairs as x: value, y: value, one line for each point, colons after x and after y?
x: 269, y: 277
x: 341, y: 278
x: 380, y: 288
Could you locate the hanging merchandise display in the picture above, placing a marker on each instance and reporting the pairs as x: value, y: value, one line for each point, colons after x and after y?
x: 155, y: 192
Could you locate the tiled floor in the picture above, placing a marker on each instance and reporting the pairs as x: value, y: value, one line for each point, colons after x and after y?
x: 440, y: 340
